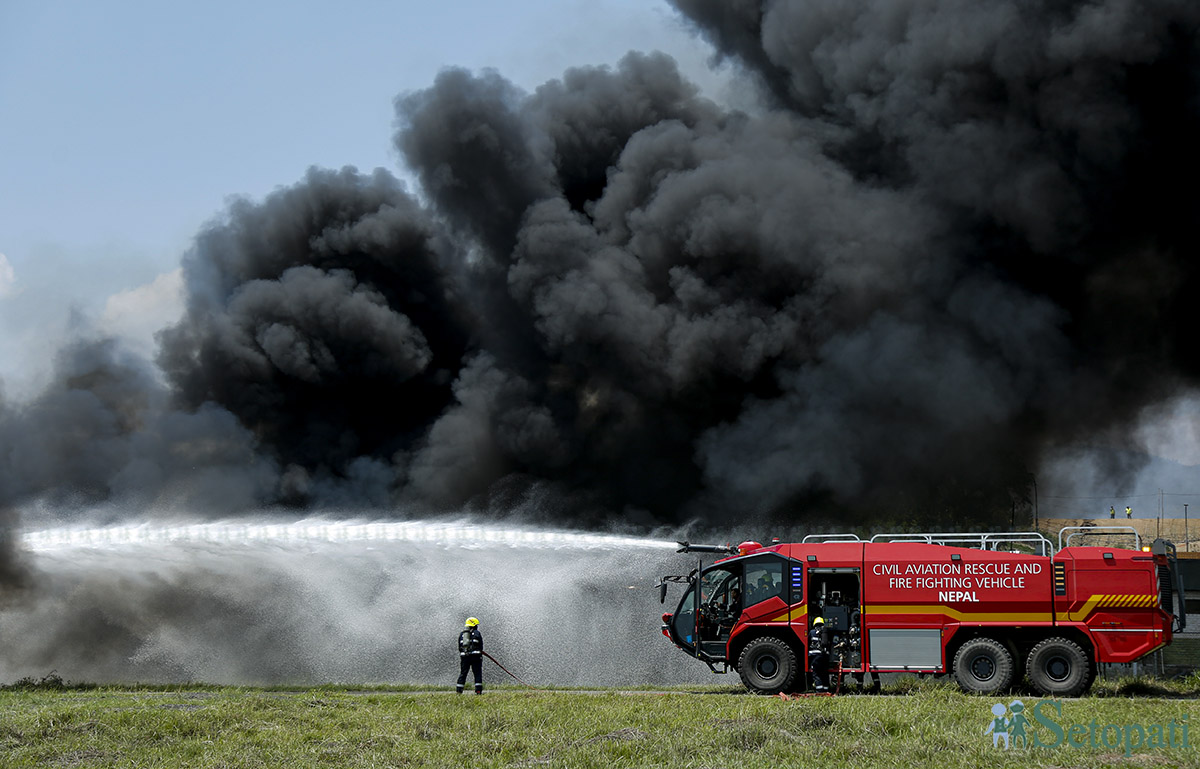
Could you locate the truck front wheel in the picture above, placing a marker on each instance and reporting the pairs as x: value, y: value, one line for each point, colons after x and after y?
x: 768, y: 666
x: 983, y: 666
x: 1059, y: 668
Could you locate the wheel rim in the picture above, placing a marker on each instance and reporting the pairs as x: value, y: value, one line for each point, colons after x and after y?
x: 1058, y: 668
x: 983, y: 668
x: 766, y: 666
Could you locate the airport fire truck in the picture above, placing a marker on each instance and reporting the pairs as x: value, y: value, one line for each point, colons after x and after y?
x: 987, y: 609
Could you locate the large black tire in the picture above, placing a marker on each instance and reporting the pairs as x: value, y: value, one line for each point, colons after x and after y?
x: 1059, y: 668
x: 768, y: 666
x: 983, y: 666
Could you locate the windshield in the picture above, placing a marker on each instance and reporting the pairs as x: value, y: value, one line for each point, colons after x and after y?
x: 720, y: 593
x: 720, y: 604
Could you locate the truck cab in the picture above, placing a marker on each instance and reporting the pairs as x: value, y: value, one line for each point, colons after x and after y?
x: 731, y: 595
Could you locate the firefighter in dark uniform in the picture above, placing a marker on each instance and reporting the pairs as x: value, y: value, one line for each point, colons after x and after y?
x: 470, y: 655
x: 818, y: 654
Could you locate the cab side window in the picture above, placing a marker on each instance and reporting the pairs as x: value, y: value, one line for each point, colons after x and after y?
x: 764, y: 580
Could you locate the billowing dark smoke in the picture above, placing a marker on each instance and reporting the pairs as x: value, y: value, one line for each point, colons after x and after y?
x: 105, y: 430
x: 954, y: 236
x: 1050, y: 145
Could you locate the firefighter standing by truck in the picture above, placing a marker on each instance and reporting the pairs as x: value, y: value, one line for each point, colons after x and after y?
x: 818, y: 654
x: 470, y: 655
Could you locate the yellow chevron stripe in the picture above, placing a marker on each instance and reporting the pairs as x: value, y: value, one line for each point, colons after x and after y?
x: 1077, y: 616
x: 961, y: 616
x: 792, y: 614
x: 1106, y: 600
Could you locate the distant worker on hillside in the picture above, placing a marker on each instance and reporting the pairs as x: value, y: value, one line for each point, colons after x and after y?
x: 1128, y: 512
x: 470, y: 655
x: 818, y: 654
x: 1112, y: 512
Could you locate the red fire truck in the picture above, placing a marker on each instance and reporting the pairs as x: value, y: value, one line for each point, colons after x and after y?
x: 988, y: 609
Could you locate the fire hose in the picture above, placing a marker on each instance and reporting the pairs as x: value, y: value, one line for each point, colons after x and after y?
x: 506, y: 670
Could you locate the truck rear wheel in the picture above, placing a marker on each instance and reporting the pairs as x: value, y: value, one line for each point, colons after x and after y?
x: 983, y: 666
x: 768, y: 666
x: 1059, y: 668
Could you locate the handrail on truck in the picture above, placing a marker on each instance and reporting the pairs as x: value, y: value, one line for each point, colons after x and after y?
x: 990, y: 540
x: 1084, y: 531
x: 982, y: 541
x: 831, y: 538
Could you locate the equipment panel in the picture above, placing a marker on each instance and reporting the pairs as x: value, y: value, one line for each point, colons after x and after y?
x: 901, y: 649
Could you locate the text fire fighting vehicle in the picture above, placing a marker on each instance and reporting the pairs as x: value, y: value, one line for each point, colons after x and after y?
x: 987, y: 608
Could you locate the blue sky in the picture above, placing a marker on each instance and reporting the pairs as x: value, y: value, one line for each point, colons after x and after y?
x: 126, y: 125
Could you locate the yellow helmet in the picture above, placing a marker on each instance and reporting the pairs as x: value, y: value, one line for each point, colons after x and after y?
x: 817, y: 621
x: 472, y: 622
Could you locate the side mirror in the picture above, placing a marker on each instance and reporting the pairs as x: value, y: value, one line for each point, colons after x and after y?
x: 662, y: 592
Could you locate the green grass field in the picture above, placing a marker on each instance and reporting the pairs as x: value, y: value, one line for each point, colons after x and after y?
x: 914, y: 724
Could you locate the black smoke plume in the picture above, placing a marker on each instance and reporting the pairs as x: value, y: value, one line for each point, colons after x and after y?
x: 953, y: 236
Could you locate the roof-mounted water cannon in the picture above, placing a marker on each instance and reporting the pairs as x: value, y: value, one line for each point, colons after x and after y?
x: 688, y: 547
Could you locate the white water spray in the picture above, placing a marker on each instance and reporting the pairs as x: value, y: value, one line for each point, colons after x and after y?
x: 327, y: 599
x: 440, y: 533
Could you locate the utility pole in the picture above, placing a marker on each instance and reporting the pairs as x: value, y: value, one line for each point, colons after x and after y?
x: 1186, y: 545
x: 1035, y: 509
